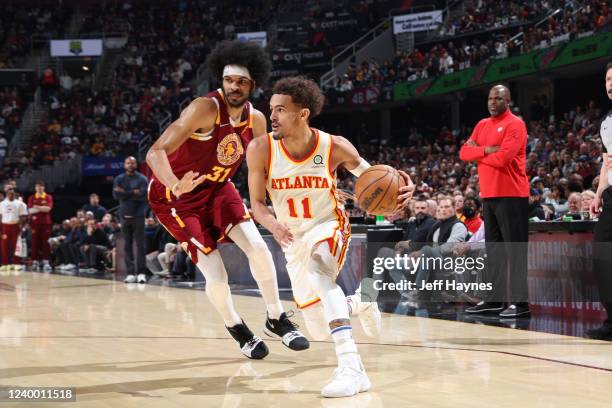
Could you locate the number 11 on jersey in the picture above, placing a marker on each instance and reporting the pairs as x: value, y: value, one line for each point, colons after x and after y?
x: 305, y: 206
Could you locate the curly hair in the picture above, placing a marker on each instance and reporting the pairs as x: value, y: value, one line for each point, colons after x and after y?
x: 303, y: 91
x: 245, y: 53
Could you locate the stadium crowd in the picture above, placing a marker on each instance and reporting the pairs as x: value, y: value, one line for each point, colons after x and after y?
x: 449, y: 56
x: 563, y: 161
x: 148, y: 84
x: 20, y: 26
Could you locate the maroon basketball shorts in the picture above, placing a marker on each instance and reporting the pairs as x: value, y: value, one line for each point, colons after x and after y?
x: 199, y: 220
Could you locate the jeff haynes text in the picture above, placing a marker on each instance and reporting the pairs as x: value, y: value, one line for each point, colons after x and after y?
x: 439, y: 284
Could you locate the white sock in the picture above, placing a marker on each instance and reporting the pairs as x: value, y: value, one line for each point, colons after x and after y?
x: 335, y: 308
x: 217, y: 288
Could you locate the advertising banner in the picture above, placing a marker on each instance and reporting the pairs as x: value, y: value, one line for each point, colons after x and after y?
x: 259, y: 37
x: 76, y: 48
x: 417, y: 22
x: 101, y: 166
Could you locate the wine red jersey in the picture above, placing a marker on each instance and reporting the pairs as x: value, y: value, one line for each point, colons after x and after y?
x: 217, y: 153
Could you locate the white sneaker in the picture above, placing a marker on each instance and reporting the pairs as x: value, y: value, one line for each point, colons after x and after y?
x: 47, y: 267
x: 369, y: 314
x: 142, y: 278
x: 348, y: 381
x: 35, y: 265
x: 69, y: 267
x: 130, y: 279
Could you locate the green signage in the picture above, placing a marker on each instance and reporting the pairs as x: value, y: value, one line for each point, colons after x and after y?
x: 452, y: 82
x: 584, y: 49
x: 407, y: 90
x: 520, y: 65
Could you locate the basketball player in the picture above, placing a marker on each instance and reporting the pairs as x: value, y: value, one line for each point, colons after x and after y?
x: 40, y: 205
x: 601, y: 207
x: 193, y: 197
x: 13, y: 218
x: 297, y: 166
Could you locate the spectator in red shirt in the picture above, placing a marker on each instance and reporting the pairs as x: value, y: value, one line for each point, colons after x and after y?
x: 498, y: 145
x: 470, y: 214
x: 39, y: 207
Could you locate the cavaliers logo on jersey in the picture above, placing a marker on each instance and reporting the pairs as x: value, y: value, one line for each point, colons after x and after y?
x: 229, y: 149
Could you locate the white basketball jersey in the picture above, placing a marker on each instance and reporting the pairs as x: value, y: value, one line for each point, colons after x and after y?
x: 303, y: 191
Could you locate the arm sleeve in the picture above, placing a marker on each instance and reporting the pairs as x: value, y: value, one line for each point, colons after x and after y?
x: 31, y: 201
x: 472, y: 153
x: 50, y: 201
x: 514, y: 139
x: 23, y: 210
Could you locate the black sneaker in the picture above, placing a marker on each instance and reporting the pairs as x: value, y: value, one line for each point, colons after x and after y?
x: 486, y: 307
x: 516, y: 310
x: 286, y: 330
x: 250, y: 345
x: 600, y: 333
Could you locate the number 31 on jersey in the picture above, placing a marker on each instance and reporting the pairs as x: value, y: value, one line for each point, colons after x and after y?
x: 219, y: 174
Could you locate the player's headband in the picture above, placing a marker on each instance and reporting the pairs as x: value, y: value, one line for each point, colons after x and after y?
x: 236, y: 70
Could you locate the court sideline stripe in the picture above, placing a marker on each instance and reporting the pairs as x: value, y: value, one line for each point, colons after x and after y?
x: 509, y: 353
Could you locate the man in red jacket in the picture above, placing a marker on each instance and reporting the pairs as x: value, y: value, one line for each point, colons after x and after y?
x: 39, y: 207
x: 498, y: 145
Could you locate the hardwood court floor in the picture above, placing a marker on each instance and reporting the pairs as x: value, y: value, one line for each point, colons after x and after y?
x: 122, y: 346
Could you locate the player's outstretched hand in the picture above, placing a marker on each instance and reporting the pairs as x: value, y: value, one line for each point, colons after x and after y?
x: 405, y: 193
x: 282, y: 235
x: 189, y: 181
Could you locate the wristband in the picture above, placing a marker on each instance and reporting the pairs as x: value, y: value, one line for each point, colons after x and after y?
x: 363, y: 166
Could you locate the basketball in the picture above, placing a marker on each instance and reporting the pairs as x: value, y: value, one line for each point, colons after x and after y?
x: 377, y: 188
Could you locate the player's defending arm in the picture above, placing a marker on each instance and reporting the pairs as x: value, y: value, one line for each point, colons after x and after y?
x: 346, y: 155
x: 200, y: 114
x: 257, y: 157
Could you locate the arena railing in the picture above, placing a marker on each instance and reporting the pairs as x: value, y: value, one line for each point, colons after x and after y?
x: 146, y: 141
x: 352, y: 49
